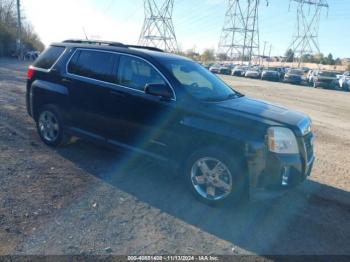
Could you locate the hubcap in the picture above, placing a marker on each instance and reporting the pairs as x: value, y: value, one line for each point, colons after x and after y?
x: 211, y: 178
x: 48, y: 126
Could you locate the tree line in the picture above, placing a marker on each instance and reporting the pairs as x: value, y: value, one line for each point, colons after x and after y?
x: 315, y: 58
x: 210, y: 55
x: 8, y: 31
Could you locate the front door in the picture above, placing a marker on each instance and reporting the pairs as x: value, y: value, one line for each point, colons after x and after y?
x: 145, y: 120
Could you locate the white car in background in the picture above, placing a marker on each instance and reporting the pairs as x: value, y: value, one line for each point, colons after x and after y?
x: 253, y: 73
x: 344, y: 81
x: 215, y: 69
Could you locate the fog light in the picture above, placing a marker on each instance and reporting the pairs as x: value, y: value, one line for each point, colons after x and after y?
x: 285, y: 176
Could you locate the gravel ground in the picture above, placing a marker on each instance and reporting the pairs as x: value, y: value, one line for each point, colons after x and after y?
x: 86, y: 199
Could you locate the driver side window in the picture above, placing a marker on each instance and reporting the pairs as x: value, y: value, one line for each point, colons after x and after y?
x: 136, y: 73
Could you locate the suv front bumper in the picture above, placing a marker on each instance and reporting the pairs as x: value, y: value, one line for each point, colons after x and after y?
x: 272, y: 172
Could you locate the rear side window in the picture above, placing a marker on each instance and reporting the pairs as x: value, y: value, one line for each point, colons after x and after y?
x: 48, y: 58
x: 136, y: 73
x: 92, y: 64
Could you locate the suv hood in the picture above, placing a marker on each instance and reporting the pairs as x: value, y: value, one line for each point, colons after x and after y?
x: 265, y: 112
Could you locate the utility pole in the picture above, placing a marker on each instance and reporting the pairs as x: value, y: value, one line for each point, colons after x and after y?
x: 268, y: 62
x: 305, y: 41
x: 19, y: 31
x: 158, y: 30
x: 240, y: 34
x: 263, y: 56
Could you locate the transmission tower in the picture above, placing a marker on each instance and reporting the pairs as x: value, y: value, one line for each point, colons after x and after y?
x: 240, y: 34
x: 158, y: 30
x: 305, y: 41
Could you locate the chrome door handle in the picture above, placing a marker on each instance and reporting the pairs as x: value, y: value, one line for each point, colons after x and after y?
x: 67, y: 81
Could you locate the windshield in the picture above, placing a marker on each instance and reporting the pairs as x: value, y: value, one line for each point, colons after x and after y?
x: 199, y: 82
x: 271, y: 69
x: 295, y: 72
x: 327, y: 74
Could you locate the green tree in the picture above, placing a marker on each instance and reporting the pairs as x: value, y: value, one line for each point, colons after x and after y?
x: 208, y: 55
x: 307, y: 58
x: 318, y: 58
x: 337, y: 61
x: 8, y: 32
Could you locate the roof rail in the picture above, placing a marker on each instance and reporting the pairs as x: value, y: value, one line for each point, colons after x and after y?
x: 108, y: 43
x: 94, y: 42
x: 151, y: 48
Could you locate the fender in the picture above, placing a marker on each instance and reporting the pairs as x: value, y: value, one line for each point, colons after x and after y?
x: 41, y: 84
x: 44, y: 92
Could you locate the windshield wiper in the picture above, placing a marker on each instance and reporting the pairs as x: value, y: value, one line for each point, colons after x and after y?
x: 228, y: 97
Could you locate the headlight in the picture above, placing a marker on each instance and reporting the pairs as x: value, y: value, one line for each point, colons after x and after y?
x: 282, y: 141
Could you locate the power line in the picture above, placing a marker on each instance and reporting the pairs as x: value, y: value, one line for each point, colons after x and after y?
x: 158, y: 29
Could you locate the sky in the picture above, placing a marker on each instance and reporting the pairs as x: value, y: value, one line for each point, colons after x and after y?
x: 198, y: 23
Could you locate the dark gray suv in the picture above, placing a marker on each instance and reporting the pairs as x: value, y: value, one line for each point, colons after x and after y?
x: 171, y: 109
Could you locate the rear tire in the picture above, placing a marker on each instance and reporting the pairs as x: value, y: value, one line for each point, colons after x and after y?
x: 213, y: 178
x: 50, y: 126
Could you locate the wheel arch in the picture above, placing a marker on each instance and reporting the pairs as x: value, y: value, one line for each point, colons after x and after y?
x: 46, y: 93
x: 230, y: 146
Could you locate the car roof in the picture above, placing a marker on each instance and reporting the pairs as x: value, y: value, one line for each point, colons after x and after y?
x: 141, y: 51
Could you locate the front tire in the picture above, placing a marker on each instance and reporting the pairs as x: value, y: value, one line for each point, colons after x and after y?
x: 214, y: 178
x: 50, y: 126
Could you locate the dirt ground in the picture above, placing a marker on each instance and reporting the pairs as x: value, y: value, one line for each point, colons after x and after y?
x: 86, y: 199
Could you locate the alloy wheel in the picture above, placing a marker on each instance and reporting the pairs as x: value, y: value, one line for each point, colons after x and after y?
x: 48, y: 126
x: 211, y: 179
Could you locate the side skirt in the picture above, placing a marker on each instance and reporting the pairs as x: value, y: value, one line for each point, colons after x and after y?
x: 118, y: 145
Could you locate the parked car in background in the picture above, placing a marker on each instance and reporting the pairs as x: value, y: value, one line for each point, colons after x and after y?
x: 282, y: 72
x: 239, y: 70
x: 271, y: 74
x: 326, y: 79
x: 294, y: 76
x: 253, y: 72
x: 225, y: 70
x: 215, y: 69
x: 207, y: 66
x: 344, y: 81
x: 31, y: 55
x: 305, y: 70
x: 310, y: 77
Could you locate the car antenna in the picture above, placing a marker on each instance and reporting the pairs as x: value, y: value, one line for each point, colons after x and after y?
x: 85, y: 34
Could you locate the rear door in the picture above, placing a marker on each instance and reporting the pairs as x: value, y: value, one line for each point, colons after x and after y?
x: 89, y: 74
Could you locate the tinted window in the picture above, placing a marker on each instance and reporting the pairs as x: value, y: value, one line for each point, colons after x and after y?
x: 136, y: 73
x: 327, y: 74
x: 47, y: 59
x: 92, y: 64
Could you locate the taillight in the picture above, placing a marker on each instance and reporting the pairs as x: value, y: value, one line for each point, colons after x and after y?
x: 30, y: 72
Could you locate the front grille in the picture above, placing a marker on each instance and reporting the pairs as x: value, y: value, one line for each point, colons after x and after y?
x: 308, y: 139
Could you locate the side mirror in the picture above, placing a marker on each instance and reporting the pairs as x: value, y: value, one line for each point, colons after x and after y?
x: 159, y: 90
